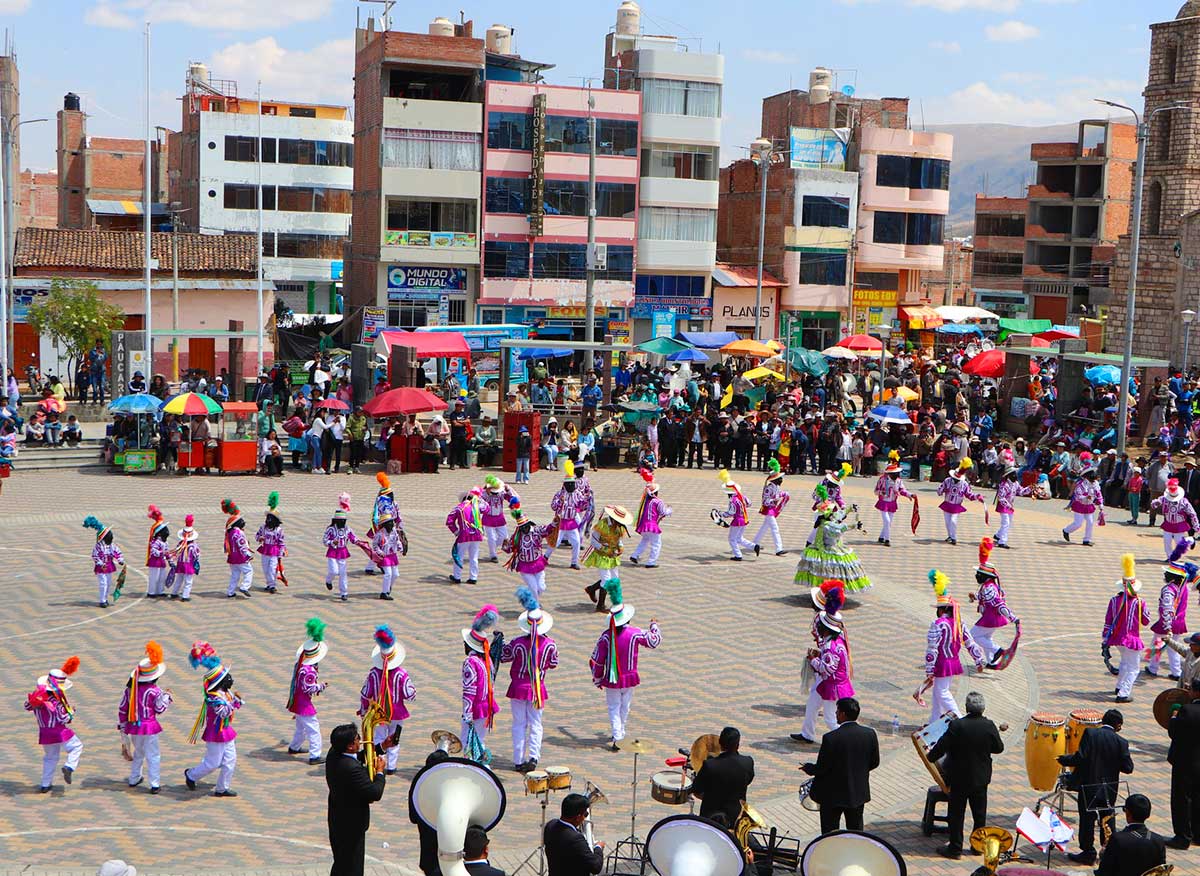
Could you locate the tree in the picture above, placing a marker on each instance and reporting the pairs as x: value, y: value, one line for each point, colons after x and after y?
x: 74, y: 316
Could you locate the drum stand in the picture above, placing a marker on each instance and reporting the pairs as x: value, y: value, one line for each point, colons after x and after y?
x: 631, y: 849
x: 539, y: 852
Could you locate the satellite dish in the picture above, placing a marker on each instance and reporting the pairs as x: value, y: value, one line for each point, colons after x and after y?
x: 848, y: 90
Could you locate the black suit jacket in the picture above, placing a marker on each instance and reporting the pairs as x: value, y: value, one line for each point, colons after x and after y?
x: 1102, y: 756
x: 351, y: 793
x: 969, y: 743
x: 482, y: 868
x: 1184, y: 730
x: 843, y: 767
x: 567, y: 852
x: 1132, y: 851
x: 721, y: 784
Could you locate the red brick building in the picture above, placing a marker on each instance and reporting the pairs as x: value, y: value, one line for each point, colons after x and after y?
x: 37, y: 200
x: 999, y: 255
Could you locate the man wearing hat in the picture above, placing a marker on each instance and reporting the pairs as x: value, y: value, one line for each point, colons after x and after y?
x: 569, y: 506
x: 774, y: 500
x: 614, y: 660
x: 496, y: 494
x: 460, y: 423
x: 186, y: 557
x: 1184, y: 757
x: 156, y: 554
x: 385, y: 504
x: 53, y: 712
x: 828, y: 598
x: 304, y: 688
x: 237, y: 551
x: 955, y: 490
x: 531, y: 656
x: 388, y: 685
x: 888, y: 490
x: 738, y: 515
x: 1123, y: 628
x: 991, y: 604
x: 141, y: 704
x: 943, y: 644
x: 651, y: 511
x: 337, y: 535
x: 1189, y: 651
x: 1179, y: 517
x: 271, y: 543
x: 525, y: 546
x: 214, y: 724
x: 604, y: 550
x: 524, y: 454
x: 1172, y: 613
x: 465, y: 521
x: 106, y: 556
x: 1006, y: 494
x: 483, y: 648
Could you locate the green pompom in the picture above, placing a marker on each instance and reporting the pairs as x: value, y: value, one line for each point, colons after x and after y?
x: 613, y: 588
x: 315, y: 627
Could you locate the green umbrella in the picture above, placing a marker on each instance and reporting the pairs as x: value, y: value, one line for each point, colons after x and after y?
x: 808, y: 361
x: 662, y: 346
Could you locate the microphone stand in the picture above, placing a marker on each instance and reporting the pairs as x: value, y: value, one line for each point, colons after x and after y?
x: 541, y: 847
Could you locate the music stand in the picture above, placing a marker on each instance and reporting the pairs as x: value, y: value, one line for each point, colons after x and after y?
x: 1057, y: 800
x: 1096, y: 796
x: 631, y: 849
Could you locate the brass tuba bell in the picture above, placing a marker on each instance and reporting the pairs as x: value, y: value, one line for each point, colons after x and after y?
x: 594, y: 795
x: 994, y: 843
x: 446, y: 741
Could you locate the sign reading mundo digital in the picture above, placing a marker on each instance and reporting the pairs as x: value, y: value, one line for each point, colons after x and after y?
x: 419, y: 281
x: 818, y: 148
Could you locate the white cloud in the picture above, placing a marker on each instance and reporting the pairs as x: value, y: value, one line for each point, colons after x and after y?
x: 950, y: 48
x: 769, y: 56
x: 960, y: 5
x: 13, y: 7
x: 1011, y: 32
x: 1057, y: 102
x: 106, y: 15
x: 214, y: 14
x: 1021, y: 78
x: 322, y: 73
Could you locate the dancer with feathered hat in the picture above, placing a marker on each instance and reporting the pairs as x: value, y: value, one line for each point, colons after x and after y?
x: 955, y: 490
x: 570, y: 508
x: 137, y: 716
x: 385, y: 505
x: 650, y: 514
x: 1172, y: 610
x: 305, y: 687
x: 830, y: 662
x: 479, y: 707
x: 1179, y: 518
x: 604, y: 550
x: 387, y: 688
x: 387, y: 544
x: 156, y: 554
x: 272, y: 544
x: 531, y: 656
x: 1087, y: 502
x: 827, y: 556
x: 737, y: 515
x: 614, y: 660
x: 829, y: 490
x: 496, y: 497
x: 946, y: 638
x: 465, y: 522
x: 1123, y: 622
x: 237, y: 551
x: 106, y: 556
x: 992, y: 606
x: 337, y: 535
x: 185, y: 560
x: 774, y: 500
x: 1006, y: 495
x: 53, y: 711
x: 888, y: 490
x: 525, y: 547
x: 214, y: 723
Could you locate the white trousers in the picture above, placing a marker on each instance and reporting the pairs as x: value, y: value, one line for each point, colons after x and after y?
x: 526, y: 731
x: 885, y: 531
x: 217, y: 755
x: 50, y: 754
x: 1170, y: 539
x: 390, y: 574
x: 495, y: 539
x: 145, y: 749
x: 1174, y: 661
x: 942, y: 699
x: 619, y: 700
x: 468, y: 553
x: 156, y: 577
x: 1127, y: 672
x: 770, y: 524
x: 1005, y: 526
x: 382, y: 732
x: 103, y: 580
x: 983, y: 638
x: 571, y: 537
x: 609, y: 574
x: 183, y: 585
x: 481, y: 729
x: 308, y: 730
x: 951, y: 524
x: 738, y: 540
x: 814, y: 705
x: 651, y: 541
x: 270, y: 569
x: 1085, y: 520
x: 240, y: 576
x: 535, y: 582
x: 337, y: 569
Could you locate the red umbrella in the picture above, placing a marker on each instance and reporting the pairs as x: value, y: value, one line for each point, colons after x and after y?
x: 403, y: 400
x: 860, y: 342
x: 1037, y: 341
x: 333, y: 404
x: 989, y: 363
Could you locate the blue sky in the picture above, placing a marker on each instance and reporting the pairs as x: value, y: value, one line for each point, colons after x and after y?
x: 1031, y: 62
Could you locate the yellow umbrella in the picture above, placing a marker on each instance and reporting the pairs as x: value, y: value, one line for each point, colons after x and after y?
x: 907, y: 394
x: 760, y: 371
x: 748, y: 347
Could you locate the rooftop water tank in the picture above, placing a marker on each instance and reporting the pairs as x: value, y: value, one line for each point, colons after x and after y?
x: 71, y: 101
x: 820, y: 83
x: 441, y: 27
x: 499, y: 39
x: 629, y: 19
x: 197, y: 72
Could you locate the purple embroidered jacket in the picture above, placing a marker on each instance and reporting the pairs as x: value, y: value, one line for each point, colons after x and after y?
x: 52, y: 718
x: 237, y: 549
x: 1007, y: 492
x: 889, y: 491
x: 106, y: 558
x: 834, y: 490
x: 1123, y: 621
x: 1172, y: 609
x: 307, y: 687
x: 401, y: 689
x: 1178, y: 514
x: 992, y: 606
x: 335, y: 541
x: 736, y: 514
x: 187, y: 555
x: 494, y: 504
x: 518, y: 652
x: 386, y: 546
x: 219, y: 708
x: 152, y: 701
x: 570, y: 507
x: 774, y: 500
x: 653, y: 510
x: 527, y: 543
x: 1085, y: 496
x: 461, y: 521
x: 629, y: 639
x: 475, y: 701
x: 156, y: 554
x: 954, y: 491
x: 271, y: 542
x: 832, y: 666
x: 942, y: 653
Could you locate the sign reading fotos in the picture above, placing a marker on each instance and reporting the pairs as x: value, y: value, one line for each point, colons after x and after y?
x: 434, y: 239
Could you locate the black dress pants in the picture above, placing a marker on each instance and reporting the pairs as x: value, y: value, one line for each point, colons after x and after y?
x: 831, y: 817
x: 956, y: 810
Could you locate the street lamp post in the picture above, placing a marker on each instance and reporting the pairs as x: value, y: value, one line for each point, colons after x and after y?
x: 761, y: 149
x: 1188, y: 317
x: 8, y: 232
x: 1143, y: 133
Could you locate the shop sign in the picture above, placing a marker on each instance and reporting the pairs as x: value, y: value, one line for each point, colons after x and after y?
x: 645, y: 306
x: 538, y: 169
x: 818, y: 148
x: 579, y: 312
x: 419, y: 278
x: 374, y: 321
x: 432, y: 239
x: 876, y: 297
x: 664, y: 324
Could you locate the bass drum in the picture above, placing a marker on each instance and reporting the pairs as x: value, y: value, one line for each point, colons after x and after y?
x: 1045, y: 740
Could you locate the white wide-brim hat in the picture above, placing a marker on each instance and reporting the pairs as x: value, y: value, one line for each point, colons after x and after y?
x: 544, y: 619
x: 1134, y: 585
x: 396, y: 656
x: 476, y: 645
x: 147, y: 671
x: 321, y: 649
x: 622, y: 614
x: 59, y: 676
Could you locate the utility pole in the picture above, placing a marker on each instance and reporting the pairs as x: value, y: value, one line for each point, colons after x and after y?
x: 762, y: 148
x: 4, y: 162
x: 258, y: 153
x: 175, y: 298
x: 589, y: 320
x: 147, y: 210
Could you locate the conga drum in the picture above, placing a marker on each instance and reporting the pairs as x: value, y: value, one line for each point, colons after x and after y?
x: 1080, y: 720
x: 1045, y: 740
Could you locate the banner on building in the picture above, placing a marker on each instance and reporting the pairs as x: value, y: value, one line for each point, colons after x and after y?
x: 818, y: 148
x: 373, y: 322
x: 537, y: 175
x: 416, y: 278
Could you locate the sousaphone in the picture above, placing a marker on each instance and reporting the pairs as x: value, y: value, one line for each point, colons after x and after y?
x: 851, y: 853
x: 450, y: 795
x: 687, y: 845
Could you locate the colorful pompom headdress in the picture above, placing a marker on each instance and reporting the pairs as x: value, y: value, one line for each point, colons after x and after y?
x: 964, y: 466
x: 727, y: 481
x: 830, y: 597
x: 314, y: 648
x: 620, y: 612
x: 188, y: 533
x: 648, y: 477
x: 478, y: 640
x: 385, y: 483
x: 149, y: 668
x: 774, y: 472
x: 825, y: 505
x: 231, y: 509
x: 536, y: 623
x: 893, y: 464
x: 986, y: 545
x: 518, y: 516
x: 157, y: 520
x: 58, y: 680
x: 387, y: 648
x: 839, y: 476
x: 943, y: 599
x: 343, y: 509
x: 90, y: 522
x: 1129, y: 579
x: 568, y: 472
x: 493, y: 484
x: 273, y: 505
x: 204, y: 656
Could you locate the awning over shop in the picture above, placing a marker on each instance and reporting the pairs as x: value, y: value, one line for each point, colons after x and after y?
x: 99, y: 207
x: 921, y: 317
x: 1023, y: 326
x: 426, y: 345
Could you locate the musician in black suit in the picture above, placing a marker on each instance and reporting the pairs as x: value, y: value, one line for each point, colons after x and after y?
x: 721, y: 784
x: 567, y: 851
x: 351, y: 793
x: 1184, y: 757
x: 428, y: 861
x: 1134, y: 850
x: 1189, y: 480
x: 1099, y: 762
x: 842, y: 773
x: 475, y: 853
x: 968, y: 744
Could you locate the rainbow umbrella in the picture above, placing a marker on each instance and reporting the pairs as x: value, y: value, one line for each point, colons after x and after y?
x: 191, y: 404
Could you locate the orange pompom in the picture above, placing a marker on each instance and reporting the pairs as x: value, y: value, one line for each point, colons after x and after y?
x: 71, y: 665
x: 155, y: 652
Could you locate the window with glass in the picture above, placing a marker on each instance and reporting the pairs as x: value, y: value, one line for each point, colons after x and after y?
x: 889, y: 228
x: 507, y: 194
x: 430, y: 150
x: 822, y: 269
x: 914, y: 229
x: 409, y: 315
x: 241, y: 197
x: 302, y: 112
x: 491, y: 316
x: 314, y: 199
x: 620, y: 263
x: 510, y: 130
x: 825, y: 212
x: 679, y: 161
x: 884, y: 280
x: 677, y: 223
x: 570, y: 134
x: 560, y: 261
x: 310, y: 246
x: 411, y: 215
x: 243, y: 149
x: 506, y: 258
x: 902, y: 171
x: 669, y: 286
x: 999, y: 226
x: 320, y: 153
x: 998, y: 264
x: 676, y: 97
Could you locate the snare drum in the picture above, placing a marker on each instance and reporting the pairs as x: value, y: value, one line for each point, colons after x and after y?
x: 1079, y: 721
x: 559, y: 778
x: 536, y: 782
x: 671, y: 787
x: 1045, y: 740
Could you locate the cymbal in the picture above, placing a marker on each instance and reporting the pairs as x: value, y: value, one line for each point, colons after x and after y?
x: 637, y: 747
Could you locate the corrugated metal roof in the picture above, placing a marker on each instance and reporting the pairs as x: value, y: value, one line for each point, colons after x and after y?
x: 724, y: 274
x: 100, y: 207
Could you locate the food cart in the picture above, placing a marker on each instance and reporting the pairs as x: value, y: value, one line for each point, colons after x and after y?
x: 237, y: 438
x: 195, y: 452
x: 139, y: 456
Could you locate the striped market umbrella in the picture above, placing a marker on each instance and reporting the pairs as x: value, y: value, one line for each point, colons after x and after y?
x: 191, y: 404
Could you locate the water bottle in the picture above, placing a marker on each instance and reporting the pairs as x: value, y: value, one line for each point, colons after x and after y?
x: 895, y: 725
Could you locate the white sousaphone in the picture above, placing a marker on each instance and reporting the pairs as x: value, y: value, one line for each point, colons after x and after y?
x: 687, y: 845
x: 450, y: 795
x: 851, y: 853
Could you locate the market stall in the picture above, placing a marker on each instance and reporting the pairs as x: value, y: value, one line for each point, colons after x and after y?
x: 237, y: 438
x: 424, y: 345
x: 199, y: 448
x: 133, y: 452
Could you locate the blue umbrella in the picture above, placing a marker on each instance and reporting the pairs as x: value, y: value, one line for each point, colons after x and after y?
x: 689, y: 355
x: 138, y: 403
x: 890, y: 414
x: 531, y: 353
x: 1103, y: 374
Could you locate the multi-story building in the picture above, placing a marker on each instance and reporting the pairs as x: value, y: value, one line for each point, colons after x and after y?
x: 950, y: 284
x: 37, y: 199
x: 418, y: 126
x: 1079, y: 204
x: 1000, y: 255
x: 306, y: 167
x: 680, y: 159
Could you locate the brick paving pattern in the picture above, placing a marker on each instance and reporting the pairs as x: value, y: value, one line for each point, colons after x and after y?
x: 733, y: 635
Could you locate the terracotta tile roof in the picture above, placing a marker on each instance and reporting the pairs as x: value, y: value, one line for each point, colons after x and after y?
x: 733, y: 276
x: 121, y: 251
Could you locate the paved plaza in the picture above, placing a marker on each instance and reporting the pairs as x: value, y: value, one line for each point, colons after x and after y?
x: 733, y: 638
